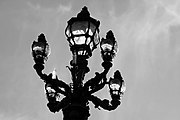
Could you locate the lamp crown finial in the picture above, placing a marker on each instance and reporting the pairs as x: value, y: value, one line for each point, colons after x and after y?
x: 110, y: 35
x: 41, y: 38
x: 117, y: 74
x: 84, y: 13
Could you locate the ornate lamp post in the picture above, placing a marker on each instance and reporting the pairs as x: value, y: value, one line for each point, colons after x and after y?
x: 82, y: 33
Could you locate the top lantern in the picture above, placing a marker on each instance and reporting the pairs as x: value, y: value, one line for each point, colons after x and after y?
x: 82, y: 33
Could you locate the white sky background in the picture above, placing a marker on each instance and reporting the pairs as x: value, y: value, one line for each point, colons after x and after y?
x: 147, y: 32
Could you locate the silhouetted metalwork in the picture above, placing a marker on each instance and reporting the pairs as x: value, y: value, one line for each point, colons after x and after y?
x: 82, y: 33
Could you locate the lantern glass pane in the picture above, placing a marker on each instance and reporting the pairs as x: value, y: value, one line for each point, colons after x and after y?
x: 88, y: 40
x: 68, y: 33
x: 107, y: 44
x: 47, y: 51
x: 96, y: 38
x: 91, y: 45
x: 115, y: 86
x: 79, y: 27
x: 92, y: 29
x: 78, y: 32
x: 71, y: 42
x: 106, y: 47
x: 115, y: 47
x: 80, y: 40
x: 90, y: 32
x: 38, y: 48
x: 123, y: 87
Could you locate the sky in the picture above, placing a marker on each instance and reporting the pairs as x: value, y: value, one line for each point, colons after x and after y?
x: 147, y: 32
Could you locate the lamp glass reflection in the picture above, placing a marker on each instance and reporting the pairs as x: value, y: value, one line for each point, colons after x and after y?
x: 40, y: 50
x: 115, y: 86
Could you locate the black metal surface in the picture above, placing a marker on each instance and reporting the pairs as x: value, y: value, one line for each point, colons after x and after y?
x: 78, y: 94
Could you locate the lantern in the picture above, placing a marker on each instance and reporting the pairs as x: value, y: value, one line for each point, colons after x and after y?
x: 82, y: 33
x: 40, y: 49
x: 117, y: 84
x: 108, y: 46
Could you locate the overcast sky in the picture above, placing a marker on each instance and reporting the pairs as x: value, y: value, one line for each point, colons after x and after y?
x: 148, y: 35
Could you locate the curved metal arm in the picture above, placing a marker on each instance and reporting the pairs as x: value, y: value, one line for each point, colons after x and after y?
x: 39, y: 68
x: 93, y: 81
x: 57, y: 84
x: 105, y: 104
x: 96, y: 83
x: 99, y: 81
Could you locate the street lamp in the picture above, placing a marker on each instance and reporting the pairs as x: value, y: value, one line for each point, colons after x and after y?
x: 73, y: 99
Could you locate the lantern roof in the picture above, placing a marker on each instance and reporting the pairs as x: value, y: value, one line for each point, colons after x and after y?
x: 84, y: 15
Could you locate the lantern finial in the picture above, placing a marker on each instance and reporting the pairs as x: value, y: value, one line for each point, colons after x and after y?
x: 117, y: 74
x: 110, y: 35
x: 41, y: 37
x: 84, y: 13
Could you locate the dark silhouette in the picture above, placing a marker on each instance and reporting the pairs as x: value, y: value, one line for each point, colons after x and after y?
x: 78, y: 94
